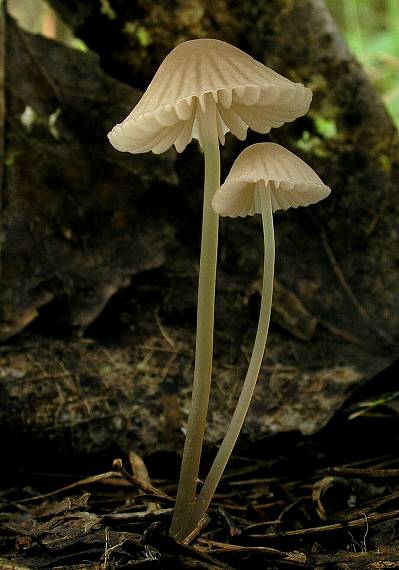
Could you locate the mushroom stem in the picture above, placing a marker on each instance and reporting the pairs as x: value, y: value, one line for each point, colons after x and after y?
x: 244, y: 401
x: 186, y: 491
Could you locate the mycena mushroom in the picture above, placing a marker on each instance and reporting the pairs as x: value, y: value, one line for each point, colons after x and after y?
x: 264, y: 178
x: 203, y: 89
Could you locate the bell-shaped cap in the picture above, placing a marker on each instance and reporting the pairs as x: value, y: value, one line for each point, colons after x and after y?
x: 268, y: 167
x: 246, y: 94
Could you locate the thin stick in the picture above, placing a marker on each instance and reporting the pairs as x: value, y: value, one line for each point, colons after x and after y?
x: 357, y: 523
x: 197, y: 531
x: 368, y: 472
x: 80, y: 483
x: 146, y: 487
x: 297, y: 558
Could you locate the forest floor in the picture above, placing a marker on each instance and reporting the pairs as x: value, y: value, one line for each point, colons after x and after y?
x: 330, y: 501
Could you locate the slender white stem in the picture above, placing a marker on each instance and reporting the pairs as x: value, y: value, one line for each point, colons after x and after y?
x: 244, y: 401
x: 186, y: 492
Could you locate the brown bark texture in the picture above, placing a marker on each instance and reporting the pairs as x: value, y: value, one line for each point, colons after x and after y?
x: 107, y: 243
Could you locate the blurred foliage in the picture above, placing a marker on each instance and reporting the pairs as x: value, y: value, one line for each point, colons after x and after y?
x: 371, y: 28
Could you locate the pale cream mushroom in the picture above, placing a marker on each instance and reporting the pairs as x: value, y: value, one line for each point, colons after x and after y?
x: 206, y: 87
x: 203, y: 89
x: 264, y: 178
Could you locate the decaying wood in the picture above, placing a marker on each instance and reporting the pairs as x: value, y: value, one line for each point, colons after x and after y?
x: 102, y: 522
x: 146, y: 487
x: 367, y: 473
x: 356, y: 561
x: 335, y: 323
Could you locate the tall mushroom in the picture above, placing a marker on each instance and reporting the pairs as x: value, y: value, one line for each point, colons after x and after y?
x: 264, y: 178
x: 203, y: 89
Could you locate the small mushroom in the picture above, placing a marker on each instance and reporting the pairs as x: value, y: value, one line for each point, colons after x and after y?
x: 264, y: 178
x: 203, y: 89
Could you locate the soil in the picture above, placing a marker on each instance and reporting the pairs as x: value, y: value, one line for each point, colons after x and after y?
x: 327, y: 501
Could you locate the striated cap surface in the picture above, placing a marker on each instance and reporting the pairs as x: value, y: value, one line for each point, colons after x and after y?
x: 268, y: 167
x: 246, y: 94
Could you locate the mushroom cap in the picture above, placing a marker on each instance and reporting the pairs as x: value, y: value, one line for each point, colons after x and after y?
x: 245, y: 92
x: 290, y: 181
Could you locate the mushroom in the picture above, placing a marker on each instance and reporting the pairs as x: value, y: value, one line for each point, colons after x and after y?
x: 203, y: 89
x: 264, y: 178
